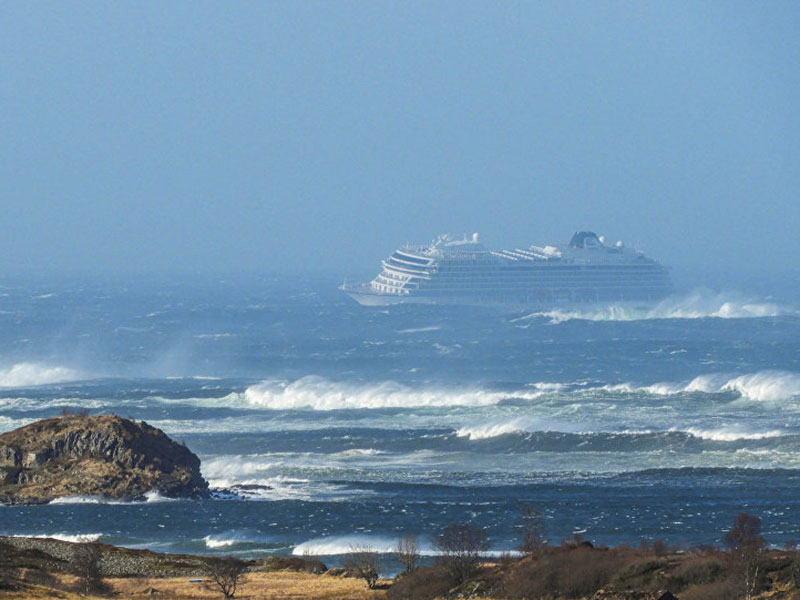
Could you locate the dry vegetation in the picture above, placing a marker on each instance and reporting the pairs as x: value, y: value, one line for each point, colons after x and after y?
x: 264, y: 586
x: 575, y: 570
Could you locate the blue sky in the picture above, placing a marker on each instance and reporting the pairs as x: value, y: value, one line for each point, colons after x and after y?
x: 249, y: 136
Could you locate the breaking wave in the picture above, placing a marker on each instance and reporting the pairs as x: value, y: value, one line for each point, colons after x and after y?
x: 697, y: 305
x: 318, y: 393
x: 228, y: 539
x: 596, y: 439
x: 344, y: 544
x: 151, y: 496
x: 28, y: 374
x: 520, y: 424
x: 766, y: 386
x: 733, y: 434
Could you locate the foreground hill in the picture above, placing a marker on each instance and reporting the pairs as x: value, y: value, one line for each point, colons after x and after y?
x: 103, y: 455
x: 46, y: 568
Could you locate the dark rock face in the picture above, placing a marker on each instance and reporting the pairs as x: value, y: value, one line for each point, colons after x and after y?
x: 102, y: 455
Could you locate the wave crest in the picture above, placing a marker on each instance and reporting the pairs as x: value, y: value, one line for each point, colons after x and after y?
x: 766, y: 386
x: 28, y: 374
x: 697, y: 305
x: 733, y: 434
x: 318, y: 393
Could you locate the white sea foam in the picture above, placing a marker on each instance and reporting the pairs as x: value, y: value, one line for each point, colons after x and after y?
x: 732, y: 434
x: 420, y: 329
x: 343, y: 544
x: 8, y: 424
x: 225, y: 467
x: 357, y: 453
x: 700, y: 304
x: 27, y: 374
x: 262, y: 477
x: 155, y: 496
x: 484, y: 431
x: 318, y: 393
x: 767, y: 386
x: 225, y: 540
x: 151, y: 496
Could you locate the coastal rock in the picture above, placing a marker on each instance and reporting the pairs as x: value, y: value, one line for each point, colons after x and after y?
x: 103, y: 455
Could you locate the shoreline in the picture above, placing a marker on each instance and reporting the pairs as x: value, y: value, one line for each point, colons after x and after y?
x: 45, y: 567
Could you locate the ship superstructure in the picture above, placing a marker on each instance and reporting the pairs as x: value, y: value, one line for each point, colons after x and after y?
x: 464, y: 271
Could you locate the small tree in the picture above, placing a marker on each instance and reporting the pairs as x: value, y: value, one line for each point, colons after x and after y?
x: 227, y: 574
x: 533, y: 531
x: 407, y: 552
x: 86, y: 565
x: 747, y: 547
x: 460, y: 548
x: 363, y: 562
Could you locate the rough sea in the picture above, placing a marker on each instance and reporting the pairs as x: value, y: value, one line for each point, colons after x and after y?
x: 336, y: 424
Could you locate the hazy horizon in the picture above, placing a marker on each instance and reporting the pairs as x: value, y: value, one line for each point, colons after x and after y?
x: 317, y: 137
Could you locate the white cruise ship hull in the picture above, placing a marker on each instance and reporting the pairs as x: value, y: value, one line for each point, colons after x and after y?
x: 366, y: 298
x: 582, y: 274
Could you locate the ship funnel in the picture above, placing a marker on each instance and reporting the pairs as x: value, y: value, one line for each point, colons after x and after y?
x: 475, y: 238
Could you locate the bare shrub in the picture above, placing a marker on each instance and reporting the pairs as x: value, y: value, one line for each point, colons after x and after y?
x: 698, y: 570
x: 747, y: 549
x: 423, y: 583
x: 660, y: 548
x: 507, y: 558
x: 645, y: 573
x: 293, y: 563
x: 533, y: 531
x: 460, y: 548
x: 86, y: 565
x: 363, y: 562
x: 567, y: 572
x: 407, y: 552
x: 718, y: 590
x: 227, y: 574
x: 71, y: 412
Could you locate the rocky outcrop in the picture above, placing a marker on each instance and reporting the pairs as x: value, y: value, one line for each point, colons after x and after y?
x: 102, y: 455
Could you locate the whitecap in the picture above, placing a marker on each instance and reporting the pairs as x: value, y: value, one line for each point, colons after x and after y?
x: 482, y: 431
x: 343, y: 544
x: 767, y: 385
x: 27, y: 374
x: 700, y: 304
x: 318, y: 393
x: 732, y: 434
x: 420, y: 329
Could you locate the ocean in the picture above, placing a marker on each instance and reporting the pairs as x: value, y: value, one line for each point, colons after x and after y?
x: 324, y: 424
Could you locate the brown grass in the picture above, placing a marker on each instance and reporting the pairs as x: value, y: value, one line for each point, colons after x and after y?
x: 264, y: 586
x: 273, y: 586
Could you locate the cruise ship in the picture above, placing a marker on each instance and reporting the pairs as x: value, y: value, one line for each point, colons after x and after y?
x: 463, y: 271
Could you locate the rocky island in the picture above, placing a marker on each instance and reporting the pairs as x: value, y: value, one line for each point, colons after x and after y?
x: 101, y: 455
